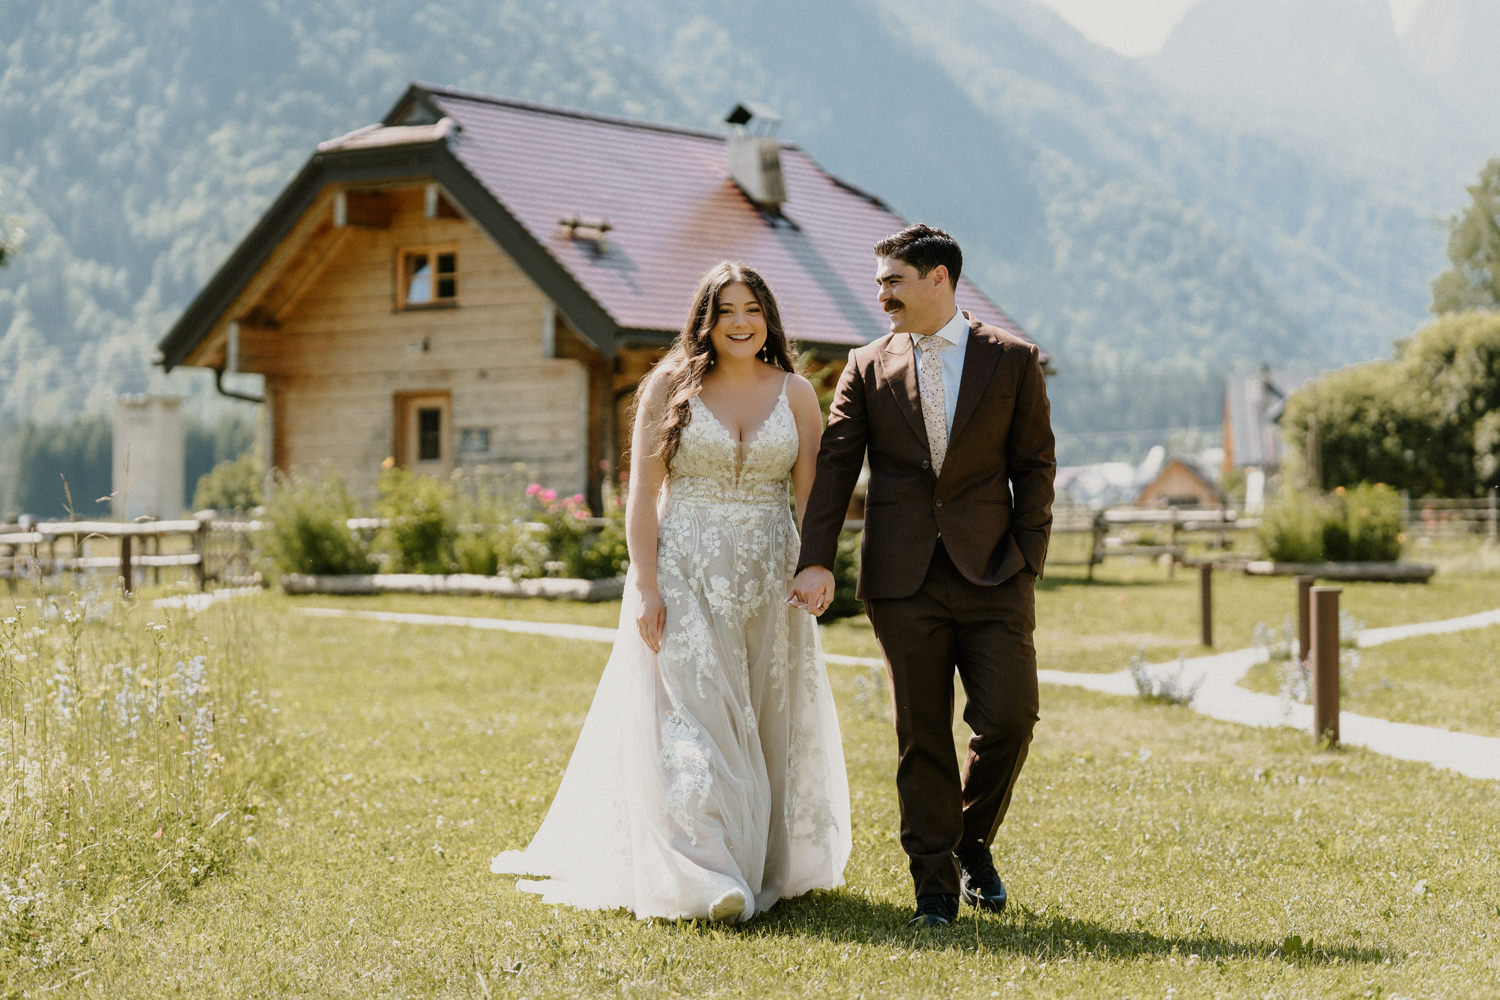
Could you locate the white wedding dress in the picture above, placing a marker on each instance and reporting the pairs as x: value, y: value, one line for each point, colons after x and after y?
x: 713, y: 769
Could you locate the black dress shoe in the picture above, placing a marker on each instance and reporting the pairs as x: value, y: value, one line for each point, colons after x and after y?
x: 978, y: 882
x: 935, y: 911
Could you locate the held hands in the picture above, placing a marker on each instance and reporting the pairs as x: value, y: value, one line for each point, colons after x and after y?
x: 812, y: 590
x: 652, y: 617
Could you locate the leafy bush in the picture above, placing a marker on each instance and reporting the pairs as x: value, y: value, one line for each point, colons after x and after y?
x: 604, y: 553
x: 419, y: 527
x: 576, y: 544
x: 492, y: 535
x: 1358, y: 525
x: 308, y: 528
x: 1372, y: 514
x: 1291, y: 530
x: 231, y: 485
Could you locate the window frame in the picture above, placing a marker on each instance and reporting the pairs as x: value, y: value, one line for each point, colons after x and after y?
x: 433, y: 252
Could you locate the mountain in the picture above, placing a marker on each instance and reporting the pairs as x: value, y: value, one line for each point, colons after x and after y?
x: 1149, y: 240
x: 1334, y: 75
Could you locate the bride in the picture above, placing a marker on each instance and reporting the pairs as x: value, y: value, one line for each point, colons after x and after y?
x: 708, y: 780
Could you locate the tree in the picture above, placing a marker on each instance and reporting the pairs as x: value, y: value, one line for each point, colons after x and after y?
x: 1427, y: 422
x: 1473, y: 282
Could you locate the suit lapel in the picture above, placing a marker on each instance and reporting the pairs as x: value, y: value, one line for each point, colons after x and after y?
x: 900, y: 366
x: 980, y: 358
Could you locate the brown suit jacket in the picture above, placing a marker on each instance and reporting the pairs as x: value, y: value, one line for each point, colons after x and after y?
x: 993, y: 502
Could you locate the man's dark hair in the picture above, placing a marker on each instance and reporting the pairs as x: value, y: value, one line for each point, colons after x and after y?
x: 924, y: 248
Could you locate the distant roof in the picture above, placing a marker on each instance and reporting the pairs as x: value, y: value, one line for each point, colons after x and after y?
x: 661, y: 197
x: 1252, y: 410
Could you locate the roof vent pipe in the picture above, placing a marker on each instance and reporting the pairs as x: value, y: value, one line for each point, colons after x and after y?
x: 755, y: 155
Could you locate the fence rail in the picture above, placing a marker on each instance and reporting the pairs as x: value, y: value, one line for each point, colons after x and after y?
x: 221, y: 548
x: 46, y: 548
x: 1152, y: 532
x: 1437, y: 517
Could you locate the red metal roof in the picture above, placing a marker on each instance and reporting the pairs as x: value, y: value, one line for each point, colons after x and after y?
x: 673, y: 212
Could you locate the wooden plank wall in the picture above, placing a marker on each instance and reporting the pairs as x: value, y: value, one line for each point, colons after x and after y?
x: 344, y: 351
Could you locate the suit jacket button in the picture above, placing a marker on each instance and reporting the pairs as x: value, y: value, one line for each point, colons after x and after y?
x: 926, y: 464
x: 940, y: 503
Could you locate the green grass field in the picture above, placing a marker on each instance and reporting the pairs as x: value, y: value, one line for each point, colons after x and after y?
x: 1150, y: 852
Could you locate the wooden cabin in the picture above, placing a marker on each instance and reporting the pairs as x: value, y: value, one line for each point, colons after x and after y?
x: 483, y: 282
x: 1181, y: 484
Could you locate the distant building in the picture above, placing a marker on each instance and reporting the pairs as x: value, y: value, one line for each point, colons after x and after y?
x: 1181, y: 483
x: 1253, y: 405
x: 476, y: 281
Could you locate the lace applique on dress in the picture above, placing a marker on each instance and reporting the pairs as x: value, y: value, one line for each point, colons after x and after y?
x: 685, y: 759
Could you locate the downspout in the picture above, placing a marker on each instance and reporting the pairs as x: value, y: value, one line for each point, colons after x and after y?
x: 232, y: 394
x: 232, y: 362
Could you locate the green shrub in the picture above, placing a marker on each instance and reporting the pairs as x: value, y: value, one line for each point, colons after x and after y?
x: 575, y: 543
x: 419, y: 527
x: 1358, y: 525
x: 308, y: 528
x: 1373, y: 514
x: 1291, y: 530
x: 233, y: 485
x: 604, y: 553
x: 492, y: 537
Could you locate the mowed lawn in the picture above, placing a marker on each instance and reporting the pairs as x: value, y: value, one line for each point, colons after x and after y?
x: 1150, y: 852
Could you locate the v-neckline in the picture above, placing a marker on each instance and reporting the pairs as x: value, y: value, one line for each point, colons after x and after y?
x: 742, y: 448
x: 747, y: 442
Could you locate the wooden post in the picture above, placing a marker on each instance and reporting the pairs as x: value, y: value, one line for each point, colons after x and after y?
x: 1206, y: 601
x: 200, y: 546
x: 1304, y: 618
x: 1325, y: 664
x: 1096, y: 542
x: 125, y: 571
x: 1171, y: 541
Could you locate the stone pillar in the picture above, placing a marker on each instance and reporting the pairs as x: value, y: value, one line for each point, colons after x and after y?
x: 148, y: 457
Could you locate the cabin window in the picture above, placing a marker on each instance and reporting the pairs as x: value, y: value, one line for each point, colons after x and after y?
x: 428, y: 276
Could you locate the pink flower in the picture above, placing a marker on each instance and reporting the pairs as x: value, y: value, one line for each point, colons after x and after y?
x: 548, y: 496
x: 581, y: 515
x: 533, y: 489
x: 576, y: 498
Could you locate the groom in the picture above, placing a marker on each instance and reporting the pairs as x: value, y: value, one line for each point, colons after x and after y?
x: 953, y: 416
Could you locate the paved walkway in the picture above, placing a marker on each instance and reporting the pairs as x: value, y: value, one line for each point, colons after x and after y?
x: 1217, y: 677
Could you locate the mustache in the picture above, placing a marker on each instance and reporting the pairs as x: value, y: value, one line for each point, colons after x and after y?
x: 891, y: 305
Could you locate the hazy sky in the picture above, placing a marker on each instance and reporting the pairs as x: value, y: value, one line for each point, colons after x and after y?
x: 1140, y: 27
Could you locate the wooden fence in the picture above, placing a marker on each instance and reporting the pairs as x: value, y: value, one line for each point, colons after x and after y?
x: 206, y: 547
x: 222, y: 549
x: 1152, y: 532
x: 1435, y: 517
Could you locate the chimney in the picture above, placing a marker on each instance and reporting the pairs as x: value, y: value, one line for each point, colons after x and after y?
x: 755, y: 155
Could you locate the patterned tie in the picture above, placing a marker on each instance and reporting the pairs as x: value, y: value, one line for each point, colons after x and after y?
x: 934, y: 399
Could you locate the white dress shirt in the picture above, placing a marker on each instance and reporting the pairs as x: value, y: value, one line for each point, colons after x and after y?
x: 956, y: 333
